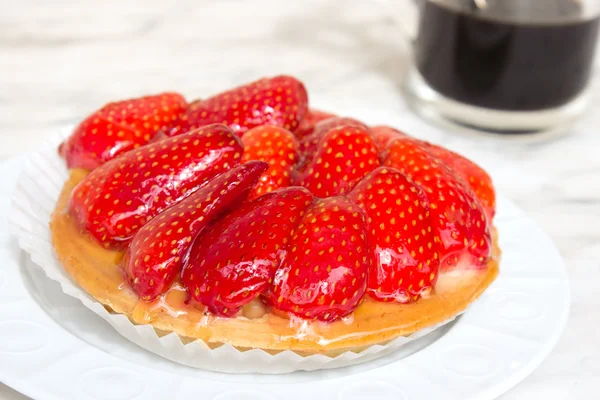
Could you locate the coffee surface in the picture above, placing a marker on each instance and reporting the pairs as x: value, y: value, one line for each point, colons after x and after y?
x: 490, y: 63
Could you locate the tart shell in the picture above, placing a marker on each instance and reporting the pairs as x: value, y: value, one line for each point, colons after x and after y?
x: 97, y: 271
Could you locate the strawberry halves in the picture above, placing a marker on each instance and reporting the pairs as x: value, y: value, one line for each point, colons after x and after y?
x: 119, y: 127
x: 404, y: 247
x: 235, y: 260
x: 457, y: 215
x: 279, y: 148
x: 115, y: 200
x: 312, y: 117
x: 310, y: 142
x: 471, y: 173
x: 159, y: 249
x: 384, y: 135
x: 323, y: 274
x: 345, y: 155
x: 280, y: 101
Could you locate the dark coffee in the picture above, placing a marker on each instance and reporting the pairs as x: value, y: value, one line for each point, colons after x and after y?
x: 506, y: 66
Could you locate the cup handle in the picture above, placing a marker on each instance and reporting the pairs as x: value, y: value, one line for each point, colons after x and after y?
x: 405, y: 14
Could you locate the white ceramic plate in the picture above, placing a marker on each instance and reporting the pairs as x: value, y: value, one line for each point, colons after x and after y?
x: 52, y: 347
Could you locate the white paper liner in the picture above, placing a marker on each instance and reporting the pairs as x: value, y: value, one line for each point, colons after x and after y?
x: 37, y: 191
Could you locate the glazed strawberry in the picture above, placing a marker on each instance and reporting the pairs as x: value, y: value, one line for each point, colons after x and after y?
x: 279, y: 148
x: 322, y: 127
x: 309, y: 144
x: 404, y: 247
x: 323, y: 274
x: 276, y: 177
x: 344, y: 156
x: 236, y: 259
x: 473, y: 174
x: 457, y: 214
x: 158, y: 249
x: 280, y: 101
x: 312, y: 117
x: 120, y: 196
x: 119, y: 127
x: 384, y: 134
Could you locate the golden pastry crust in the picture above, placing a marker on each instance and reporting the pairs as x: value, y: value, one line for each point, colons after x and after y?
x: 97, y: 271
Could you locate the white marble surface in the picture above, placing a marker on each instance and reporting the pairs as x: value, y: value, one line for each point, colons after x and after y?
x: 60, y: 60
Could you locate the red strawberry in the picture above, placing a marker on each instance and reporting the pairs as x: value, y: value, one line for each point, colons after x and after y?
x: 344, y: 156
x: 309, y: 144
x: 119, y: 127
x: 404, y: 247
x: 323, y: 274
x: 280, y: 101
x: 236, y: 259
x: 383, y: 135
x: 457, y: 214
x: 311, y: 118
x: 157, y: 251
x: 322, y: 127
x: 116, y: 199
x: 473, y: 174
x: 279, y: 148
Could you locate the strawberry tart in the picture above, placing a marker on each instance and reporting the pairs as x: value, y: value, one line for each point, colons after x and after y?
x: 250, y: 219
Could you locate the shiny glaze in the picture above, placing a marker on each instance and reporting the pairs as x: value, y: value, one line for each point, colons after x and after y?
x: 158, y: 251
x: 457, y: 215
x: 235, y: 260
x: 310, y: 142
x: 344, y: 156
x: 278, y: 147
x: 115, y: 200
x: 404, y: 247
x: 119, y: 127
x: 280, y: 101
x: 472, y: 174
x: 323, y: 274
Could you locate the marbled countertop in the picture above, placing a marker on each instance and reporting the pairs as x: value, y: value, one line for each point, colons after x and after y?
x: 60, y: 60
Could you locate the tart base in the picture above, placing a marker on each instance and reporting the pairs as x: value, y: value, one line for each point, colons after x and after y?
x: 97, y: 271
